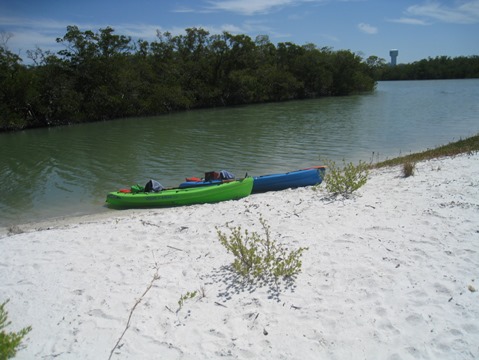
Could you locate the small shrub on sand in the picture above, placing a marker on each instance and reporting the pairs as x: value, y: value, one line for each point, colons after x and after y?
x: 344, y: 181
x: 9, y: 341
x: 260, y: 257
x: 187, y: 296
x: 408, y: 168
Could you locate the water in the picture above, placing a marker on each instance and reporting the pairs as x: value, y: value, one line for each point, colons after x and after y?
x: 47, y: 173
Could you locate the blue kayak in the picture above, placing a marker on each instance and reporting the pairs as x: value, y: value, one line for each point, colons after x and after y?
x: 274, y: 182
x: 292, y: 179
x: 189, y: 184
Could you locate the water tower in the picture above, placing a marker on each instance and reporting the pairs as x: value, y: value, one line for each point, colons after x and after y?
x: 394, y: 54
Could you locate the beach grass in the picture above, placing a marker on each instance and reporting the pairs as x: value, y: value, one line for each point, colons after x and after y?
x: 468, y: 145
x: 408, y: 168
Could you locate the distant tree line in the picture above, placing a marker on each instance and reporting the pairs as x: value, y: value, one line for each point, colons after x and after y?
x: 102, y: 75
x: 440, y: 67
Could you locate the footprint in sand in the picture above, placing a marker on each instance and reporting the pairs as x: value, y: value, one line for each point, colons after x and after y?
x: 441, y: 289
x: 455, y: 332
x: 99, y: 313
x: 381, y: 311
x: 415, y: 319
x: 470, y: 328
x: 217, y: 334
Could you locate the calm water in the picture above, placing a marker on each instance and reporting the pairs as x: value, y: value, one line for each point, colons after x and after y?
x: 68, y: 171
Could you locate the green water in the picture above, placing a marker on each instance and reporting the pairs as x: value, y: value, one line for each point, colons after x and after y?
x: 66, y: 171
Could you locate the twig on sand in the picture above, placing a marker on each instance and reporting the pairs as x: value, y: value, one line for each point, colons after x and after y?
x: 156, y: 276
x: 175, y: 248
x: 148, y: 223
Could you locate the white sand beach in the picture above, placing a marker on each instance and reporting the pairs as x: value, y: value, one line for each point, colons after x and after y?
x: 389, y: 274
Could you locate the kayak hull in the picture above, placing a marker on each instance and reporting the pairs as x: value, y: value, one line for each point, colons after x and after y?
x: 292, y: 179
x: 178, y: 197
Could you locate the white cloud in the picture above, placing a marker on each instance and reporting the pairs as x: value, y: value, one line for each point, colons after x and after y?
x: 27, y: 33
x: 368, y: 29
x: 410, y: 21
x: 42, y: 33
x: 142, y: 31
x: 466, y: 12
x: 183, y: 9
x: 251, y: 7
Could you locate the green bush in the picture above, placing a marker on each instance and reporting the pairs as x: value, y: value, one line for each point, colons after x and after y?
x: 9, y: 341
x: 344, y: 181
x: 189, y: 295
x: 260, y: 257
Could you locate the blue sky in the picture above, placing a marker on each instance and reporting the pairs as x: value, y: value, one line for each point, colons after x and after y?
x: 417, y: 28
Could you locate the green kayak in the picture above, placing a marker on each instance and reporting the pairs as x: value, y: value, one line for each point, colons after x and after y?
x: 176, y: 197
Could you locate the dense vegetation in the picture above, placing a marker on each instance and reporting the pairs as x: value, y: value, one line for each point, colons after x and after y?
x: 441, y: 67
x: 103, y: 75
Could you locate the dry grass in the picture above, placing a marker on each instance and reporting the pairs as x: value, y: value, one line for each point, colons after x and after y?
x: 408, y: 168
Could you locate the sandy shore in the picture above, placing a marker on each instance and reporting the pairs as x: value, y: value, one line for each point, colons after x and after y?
x: 390, y: 274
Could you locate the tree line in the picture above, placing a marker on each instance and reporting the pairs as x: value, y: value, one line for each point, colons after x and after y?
x: 103, y: 75
x: 440, y: 67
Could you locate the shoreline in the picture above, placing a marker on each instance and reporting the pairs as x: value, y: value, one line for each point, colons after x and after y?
x: 388, y: 274
x: 59, y: 222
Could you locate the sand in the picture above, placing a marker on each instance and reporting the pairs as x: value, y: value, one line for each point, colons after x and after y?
x: 391, y: 273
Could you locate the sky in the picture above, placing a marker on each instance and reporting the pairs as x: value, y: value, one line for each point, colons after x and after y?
x: 418, y: 29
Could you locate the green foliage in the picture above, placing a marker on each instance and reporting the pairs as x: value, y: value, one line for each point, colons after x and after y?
x: 408, y: 168
x: 101, y: 75
x: 16, y: 92
x: 440, y: 67
x: 185, y: 297
x: 259, y: 257
x: 344, y: 181
x: 9, y: 341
